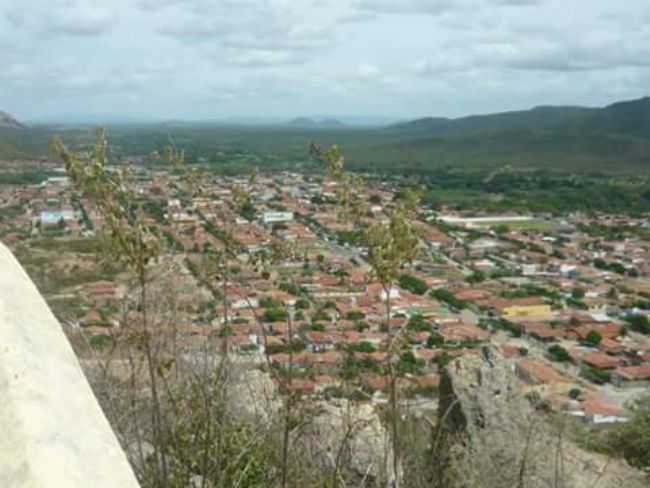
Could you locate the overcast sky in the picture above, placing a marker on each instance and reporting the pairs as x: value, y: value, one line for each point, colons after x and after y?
x: 213, y: 59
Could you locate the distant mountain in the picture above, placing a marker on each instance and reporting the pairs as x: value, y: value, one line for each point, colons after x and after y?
x: 630, y: 118
x: 315, y: 123
x: 542, y: 117
x: 10, y: 122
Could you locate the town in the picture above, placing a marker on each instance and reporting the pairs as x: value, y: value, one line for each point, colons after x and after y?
x: 567, y: 297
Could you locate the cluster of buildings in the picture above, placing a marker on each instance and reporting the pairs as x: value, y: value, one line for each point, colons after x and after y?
x: 565, y: 299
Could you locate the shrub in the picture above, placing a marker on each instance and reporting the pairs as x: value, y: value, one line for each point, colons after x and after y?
x: 593, y: 338
x: 364, y: 346
x: 447, y: 297
x: 409, y: 364
x: 100, y: 341
x: 558, y: 354
x: 639, y: 323
x: 275, y: 315
x: 418, y: 324
x: 435, y: 340
x: 632, y: 439
x: 413, y: 284
x: 320, y: 315
x: 355, y: 315
x: 574, y: 393
x: 578, y: 293
x: 595, y: 375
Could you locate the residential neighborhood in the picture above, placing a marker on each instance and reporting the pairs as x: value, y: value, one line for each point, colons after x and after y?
x: 565, y: 298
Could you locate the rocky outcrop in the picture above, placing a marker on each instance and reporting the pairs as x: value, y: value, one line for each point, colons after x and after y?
x: 53, y: 432
x: 491, y: 435
x: 352, y: 436
x: 9, y: 121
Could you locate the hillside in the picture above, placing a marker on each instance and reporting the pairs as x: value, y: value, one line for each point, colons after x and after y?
x: 542, y: 117
x: 629, y: 118
x: 612, y: 138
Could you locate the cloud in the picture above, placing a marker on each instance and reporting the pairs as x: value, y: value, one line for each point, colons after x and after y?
x: 63, y: 17
x: 397, y: 57
x: 435, y: 7
x: 259, y: 58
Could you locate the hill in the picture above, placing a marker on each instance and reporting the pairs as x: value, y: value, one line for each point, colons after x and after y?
x: 629, y: 118
x: 542, y: 117
x: 9, y: 121
x: 612, y: 139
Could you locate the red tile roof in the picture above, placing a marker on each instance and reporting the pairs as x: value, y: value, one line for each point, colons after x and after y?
x: 539, y: 372
x: 601, y: 360
x: 634, y: 373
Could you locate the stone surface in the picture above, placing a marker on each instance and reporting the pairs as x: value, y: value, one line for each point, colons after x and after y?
x: 493, y: 436
x: 53, y: 432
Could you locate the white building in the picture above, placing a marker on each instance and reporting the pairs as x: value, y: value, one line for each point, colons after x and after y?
x: 275, y: 217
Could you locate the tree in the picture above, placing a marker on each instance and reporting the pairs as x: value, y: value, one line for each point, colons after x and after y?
x: 413, y: 284
x: 593, y: 338
x: 418, y: 324
x: 132, y: 242
x: 390, y: 246
x: 632, y: 439
x: 302, y: 304
x: 558, y: 353
x: 275, y: 315
x: 578, y: 293
x: 355, y: 315
x: 476, y: 277
x: 435, y: 340
x: 639, y: 323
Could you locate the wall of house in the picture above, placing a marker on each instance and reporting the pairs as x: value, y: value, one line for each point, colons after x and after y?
x: 530, y: 311
x: 53, y: 432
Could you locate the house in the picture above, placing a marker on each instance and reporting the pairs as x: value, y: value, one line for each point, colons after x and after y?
x: 319, y: 341
x: 462, y: 333
x: 600, y: 360
x: 277, y: 217
x: 542, y: 332
x: 631, y: 376
x: 531, y: 308
x: 600, y: 410
x: 536, y: 372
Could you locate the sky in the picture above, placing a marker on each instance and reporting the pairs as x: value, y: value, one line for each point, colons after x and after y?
x: 219, y: 59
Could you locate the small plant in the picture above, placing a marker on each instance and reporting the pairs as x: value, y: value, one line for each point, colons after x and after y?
x: 558, y: 353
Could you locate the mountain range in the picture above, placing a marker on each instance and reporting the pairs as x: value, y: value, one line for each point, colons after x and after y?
x: 569, y: 138
x: 629, y: 117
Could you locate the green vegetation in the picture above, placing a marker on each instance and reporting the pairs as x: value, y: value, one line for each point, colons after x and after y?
x: 275, y: 315
x: 413, y: 284
x: 355, y: 315
x: 593, y: 338
x: 632, y: 439
x: 505, y: 325
x: 639, y: 323
x: 447, y: 297
x: 595, y: 375
x: 558, y: 353
x: 409, y: 364
x: 417, y: 323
